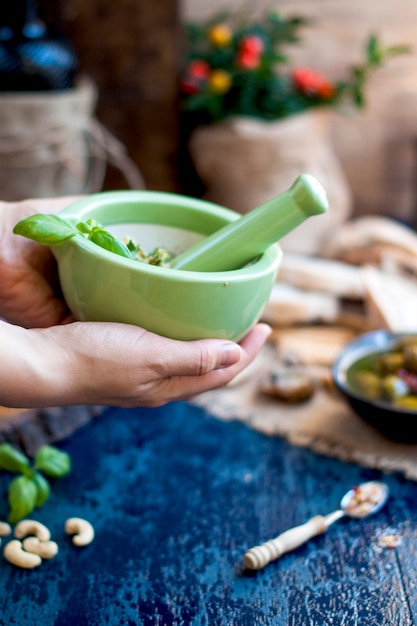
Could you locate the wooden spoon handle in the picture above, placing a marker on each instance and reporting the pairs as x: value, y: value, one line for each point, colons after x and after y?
x: 259, y: 556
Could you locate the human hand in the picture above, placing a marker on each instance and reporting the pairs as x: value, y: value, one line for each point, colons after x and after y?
x: 116, y: 364
x: 92, y: 363
x: 29, y: 288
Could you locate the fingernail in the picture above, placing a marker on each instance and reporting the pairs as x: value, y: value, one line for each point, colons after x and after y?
x: 231, y: 354
x: 269, y: 328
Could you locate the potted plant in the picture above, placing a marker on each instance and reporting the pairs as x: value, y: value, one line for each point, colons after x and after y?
x: 257, y: 121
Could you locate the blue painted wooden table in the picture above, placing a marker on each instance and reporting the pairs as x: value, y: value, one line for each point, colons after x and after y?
x: 177, y: 497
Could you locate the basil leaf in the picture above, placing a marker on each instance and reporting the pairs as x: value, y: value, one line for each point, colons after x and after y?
x: 107, y: 241
x: 22, y: 498
x: 91, y: 224
x: 49, y: 230
x: 84, y: 228
x: 12, y: 460
x: 43, y: 489
x: 52, y: 462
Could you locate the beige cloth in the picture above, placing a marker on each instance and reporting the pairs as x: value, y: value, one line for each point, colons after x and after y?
x: 325, y: 424
x: 51, y: 144
x: 245, y: 162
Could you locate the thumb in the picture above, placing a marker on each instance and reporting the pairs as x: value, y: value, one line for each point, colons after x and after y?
x: 195, y: 358
x: 199, y: 357
x: 207, y: 355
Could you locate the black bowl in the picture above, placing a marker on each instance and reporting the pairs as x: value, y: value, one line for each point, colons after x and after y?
x: 395, y: 423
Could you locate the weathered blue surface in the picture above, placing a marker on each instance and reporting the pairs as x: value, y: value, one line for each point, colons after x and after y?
x: 176, y: 498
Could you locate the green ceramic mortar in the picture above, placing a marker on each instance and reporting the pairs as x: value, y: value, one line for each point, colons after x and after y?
x: 99, y: 285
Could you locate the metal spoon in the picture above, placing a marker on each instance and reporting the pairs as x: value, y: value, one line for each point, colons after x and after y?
x: 361, y: 501
x: 241, y: 241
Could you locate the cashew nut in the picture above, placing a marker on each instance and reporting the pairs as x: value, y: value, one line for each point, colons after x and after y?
x: 14, y: 553
x: 45, y: 549
x: 81, y: 529
x: 5, y: 529
x: 31, y: 527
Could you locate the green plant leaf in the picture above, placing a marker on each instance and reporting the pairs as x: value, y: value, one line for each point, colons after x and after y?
x: 52, y: 462
x: 49, y: 230
x: 374, y: 51
x: 43, y: 489
x: 84, y: 228
x: 12, y: 460
x: 107, y: 241
x: 396, y: 50
x: 22, y: 498
x: 87, y: 227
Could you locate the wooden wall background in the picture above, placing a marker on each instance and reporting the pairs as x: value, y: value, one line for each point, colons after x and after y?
x: 131, y: 48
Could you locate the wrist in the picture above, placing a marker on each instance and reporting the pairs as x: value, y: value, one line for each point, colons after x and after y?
x: 34, y: 369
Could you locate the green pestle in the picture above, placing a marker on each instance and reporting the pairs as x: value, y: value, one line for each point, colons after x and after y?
x: 241, y: 241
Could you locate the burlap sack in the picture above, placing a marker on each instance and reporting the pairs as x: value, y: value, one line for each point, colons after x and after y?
x: 51, y: 145
x: 244, y: 162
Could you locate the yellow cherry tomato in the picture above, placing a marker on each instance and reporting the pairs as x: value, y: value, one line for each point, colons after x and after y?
x: 219, y: 81
x: 220, y: 35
